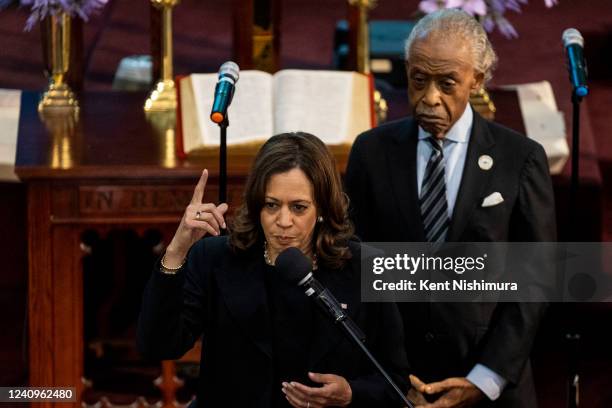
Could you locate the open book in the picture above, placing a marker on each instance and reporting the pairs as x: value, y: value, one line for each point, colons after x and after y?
x: 334, y: 105
x: 10, y: 105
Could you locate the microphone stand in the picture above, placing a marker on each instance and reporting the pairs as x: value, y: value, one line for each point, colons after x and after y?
x: 330, y: 306
x: 572, y: 337
x: 223, y: 160
x: 575, y: 172
x: 350, y: 328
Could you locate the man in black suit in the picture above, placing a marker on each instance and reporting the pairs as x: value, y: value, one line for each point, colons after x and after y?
x: 447, y: 174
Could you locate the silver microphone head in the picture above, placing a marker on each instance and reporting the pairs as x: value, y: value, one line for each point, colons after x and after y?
x: 229, y: 70
x: 572, y: 36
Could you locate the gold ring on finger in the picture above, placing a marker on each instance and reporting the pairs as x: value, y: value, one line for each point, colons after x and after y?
x: 198, y: 213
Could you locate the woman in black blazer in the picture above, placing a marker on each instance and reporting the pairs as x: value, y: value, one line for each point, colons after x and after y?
x: 264, y: 344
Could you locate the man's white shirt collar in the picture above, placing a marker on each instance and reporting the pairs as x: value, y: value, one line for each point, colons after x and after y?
x: 460, y: 131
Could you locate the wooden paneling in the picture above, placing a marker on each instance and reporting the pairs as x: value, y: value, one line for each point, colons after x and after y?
x: 40, y: 287
x: 67, y: 312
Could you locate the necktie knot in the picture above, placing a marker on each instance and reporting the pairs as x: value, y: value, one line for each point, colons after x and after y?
x: 436, y: 144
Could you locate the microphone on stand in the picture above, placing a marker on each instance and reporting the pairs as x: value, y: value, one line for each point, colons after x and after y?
x: 576, y: 65
x: 224, y: 91
x: 297, y: 268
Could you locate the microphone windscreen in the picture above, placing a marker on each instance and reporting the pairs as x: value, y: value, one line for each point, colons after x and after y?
x: 293, y: 265
x: 572, y: 36
x: 229, y: 69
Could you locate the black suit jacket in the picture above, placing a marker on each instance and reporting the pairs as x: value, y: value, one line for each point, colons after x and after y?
x: 221, y: 295
x: 444, y: 340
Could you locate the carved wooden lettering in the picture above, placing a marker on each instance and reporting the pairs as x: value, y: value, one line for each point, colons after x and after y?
x: 107, y: 200
x: 104, y: 200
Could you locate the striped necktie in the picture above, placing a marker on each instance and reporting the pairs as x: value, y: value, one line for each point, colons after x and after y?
x: 434, y: 208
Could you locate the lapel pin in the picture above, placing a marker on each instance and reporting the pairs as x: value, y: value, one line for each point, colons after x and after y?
x: 485, y: 162
x: 344, y: 306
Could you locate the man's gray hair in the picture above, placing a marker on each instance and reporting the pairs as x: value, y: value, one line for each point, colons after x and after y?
x: 451, y: 23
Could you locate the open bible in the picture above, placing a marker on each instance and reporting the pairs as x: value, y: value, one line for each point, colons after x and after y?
x: 334, y: 105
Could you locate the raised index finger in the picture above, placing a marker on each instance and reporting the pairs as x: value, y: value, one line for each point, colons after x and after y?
x: 198, y: 193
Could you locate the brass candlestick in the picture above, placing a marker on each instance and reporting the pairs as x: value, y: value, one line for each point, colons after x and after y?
x: 163, y: 96
x: 482, y: 103
x: 164, y: 125
x: 363, y: 53
x: 58, y: 94
x: 481, y: 100
x: 363, y: 34
x: 62, y: 125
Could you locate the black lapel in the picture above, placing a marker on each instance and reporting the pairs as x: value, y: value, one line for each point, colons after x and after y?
x: 326, y: 333
x: 474, y: 179
x: 402, y: 169
x: 242, y: 288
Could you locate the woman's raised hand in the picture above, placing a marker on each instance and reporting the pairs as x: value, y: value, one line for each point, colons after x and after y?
x: 198, y: 220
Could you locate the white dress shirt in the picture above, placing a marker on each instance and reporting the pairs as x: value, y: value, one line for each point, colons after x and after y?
x: 455, y: 149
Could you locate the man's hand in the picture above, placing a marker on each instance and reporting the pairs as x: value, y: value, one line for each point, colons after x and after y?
x: 456, y: 392
x: 335, y: 392
x: 414, y: 395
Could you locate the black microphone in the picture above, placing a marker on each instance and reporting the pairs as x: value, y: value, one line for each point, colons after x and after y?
x: 574, y: 44
x: 224, y: 91
x: 297, y: 268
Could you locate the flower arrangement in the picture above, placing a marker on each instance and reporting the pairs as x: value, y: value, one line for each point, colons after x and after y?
x: 489, y: 12
x: 40, y: 9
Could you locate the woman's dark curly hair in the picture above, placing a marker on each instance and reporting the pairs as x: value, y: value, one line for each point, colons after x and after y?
x: 280, y: 154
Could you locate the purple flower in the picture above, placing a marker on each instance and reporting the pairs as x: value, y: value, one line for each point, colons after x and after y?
x: 40, y: 9
x: 475, y: 7
x: 429, y: 6
x: 491, y: 12
x: 454, y: 3
x: 506, y: 28
x: 488, y: 23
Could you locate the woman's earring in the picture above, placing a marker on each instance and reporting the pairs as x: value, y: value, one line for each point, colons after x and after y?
x: 320, y: 219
